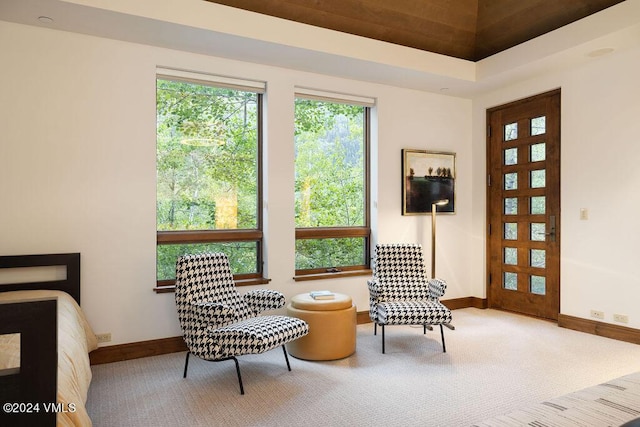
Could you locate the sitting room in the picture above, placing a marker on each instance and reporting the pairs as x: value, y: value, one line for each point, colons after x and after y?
x: 298, y: 138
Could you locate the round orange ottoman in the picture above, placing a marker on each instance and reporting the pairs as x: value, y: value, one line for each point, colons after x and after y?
x: 332, y: 327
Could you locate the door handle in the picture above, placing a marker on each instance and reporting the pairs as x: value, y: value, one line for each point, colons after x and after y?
x: 552, y: 228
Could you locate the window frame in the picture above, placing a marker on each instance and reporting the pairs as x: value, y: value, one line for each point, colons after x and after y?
x: 364, y: 231
x: 225, y: 235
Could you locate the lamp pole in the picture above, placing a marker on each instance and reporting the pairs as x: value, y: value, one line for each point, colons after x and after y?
x: 434, y: 206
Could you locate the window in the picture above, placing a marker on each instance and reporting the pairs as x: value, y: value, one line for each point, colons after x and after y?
x: 331, y: 184
x: 208, y: 172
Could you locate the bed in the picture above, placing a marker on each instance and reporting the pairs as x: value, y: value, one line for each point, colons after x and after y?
x: 45, y: 342
x: 613, y: 403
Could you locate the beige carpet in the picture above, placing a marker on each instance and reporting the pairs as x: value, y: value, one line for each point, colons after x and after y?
x: 496, y: 362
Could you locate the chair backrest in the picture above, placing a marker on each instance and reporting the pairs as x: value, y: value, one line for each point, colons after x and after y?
x: 399, y: 262
x: 206, y: 278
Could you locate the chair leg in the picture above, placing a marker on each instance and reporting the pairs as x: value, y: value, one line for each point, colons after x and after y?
x: 286, y: 357
x: 444, y: 348
x: 382, y: 326
x: 239, y: 376
x: 375, y: 328
x: 186, y: 365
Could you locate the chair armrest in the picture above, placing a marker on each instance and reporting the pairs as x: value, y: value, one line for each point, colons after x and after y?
x: 374, y: 290
x: 207, y: 312
x: 437, y: 287
x: 374, y: 286
x: 260, y: 300
x: 374, y: 298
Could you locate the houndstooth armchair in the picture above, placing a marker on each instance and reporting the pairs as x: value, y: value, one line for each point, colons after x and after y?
x: 218, y: 323
x: 401, y: 294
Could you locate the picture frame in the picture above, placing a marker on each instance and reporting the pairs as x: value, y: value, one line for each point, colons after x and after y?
x: 427, y: 177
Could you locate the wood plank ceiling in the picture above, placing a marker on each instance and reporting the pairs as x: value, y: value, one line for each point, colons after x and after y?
x: 466, y: 29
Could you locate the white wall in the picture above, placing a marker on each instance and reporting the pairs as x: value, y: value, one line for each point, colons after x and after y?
x: 599, y: 172
x: 77, y: 169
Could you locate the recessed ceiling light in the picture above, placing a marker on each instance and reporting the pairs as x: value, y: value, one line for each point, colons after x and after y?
x: 45, y: 19
x: 600, y: 52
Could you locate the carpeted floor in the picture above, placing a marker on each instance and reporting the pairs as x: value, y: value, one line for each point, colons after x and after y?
x: 496, y: 362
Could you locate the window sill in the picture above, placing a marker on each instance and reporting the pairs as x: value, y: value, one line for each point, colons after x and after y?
x: 163, y: 289
x: 336, y: 275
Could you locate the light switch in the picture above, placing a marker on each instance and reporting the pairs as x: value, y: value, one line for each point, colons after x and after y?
x: 584, y: 214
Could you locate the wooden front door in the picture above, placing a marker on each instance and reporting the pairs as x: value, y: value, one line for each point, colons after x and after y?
x: 523, y: 206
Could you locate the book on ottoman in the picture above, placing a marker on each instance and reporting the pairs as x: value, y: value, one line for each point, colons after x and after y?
x: 321, y: 294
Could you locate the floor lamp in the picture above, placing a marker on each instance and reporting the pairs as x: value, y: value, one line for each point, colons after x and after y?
x: 434, y: 206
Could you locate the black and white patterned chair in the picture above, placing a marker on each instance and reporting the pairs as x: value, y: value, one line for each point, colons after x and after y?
x: 218, y: 323
x: 400, y: 293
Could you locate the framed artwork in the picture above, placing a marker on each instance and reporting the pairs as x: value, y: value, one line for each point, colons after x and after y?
x: 427, y: 177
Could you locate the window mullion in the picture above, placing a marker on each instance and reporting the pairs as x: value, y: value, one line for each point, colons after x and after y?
x: 331, y: 232
x: 168, y: 237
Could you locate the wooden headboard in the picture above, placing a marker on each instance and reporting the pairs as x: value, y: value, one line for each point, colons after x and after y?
x: 70, y: 285
x: 35, y: 380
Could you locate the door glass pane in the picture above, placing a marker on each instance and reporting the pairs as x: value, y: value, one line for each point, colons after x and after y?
x: 537, y: 258
x: 538, y: 178
x: 511, y: 156
x: 538, y: 152
x: 537, y: 231
x: 511, y: 256
x: 511, y: 206
x: 538, y: 205
x: 510, y: 281
x: 511, y: 181
x: 511, y: 230
x: 511, y: 131
x: 538, y: 125
x: 537, y: 285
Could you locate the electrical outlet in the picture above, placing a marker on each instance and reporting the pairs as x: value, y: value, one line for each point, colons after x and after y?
x: 622, y: 318
x: 597, y: 314
x: 106, y: 337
